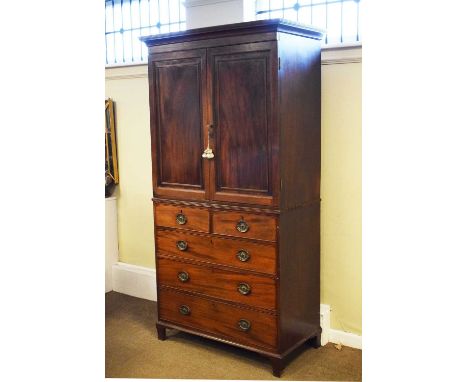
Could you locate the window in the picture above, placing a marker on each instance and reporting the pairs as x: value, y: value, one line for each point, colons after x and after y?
x: 340, y: 18
x: 127, y: 20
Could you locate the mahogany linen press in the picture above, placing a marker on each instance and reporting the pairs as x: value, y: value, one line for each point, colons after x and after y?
x: 235, y: 144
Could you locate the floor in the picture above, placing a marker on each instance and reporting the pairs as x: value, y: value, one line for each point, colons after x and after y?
x: 133, y: 351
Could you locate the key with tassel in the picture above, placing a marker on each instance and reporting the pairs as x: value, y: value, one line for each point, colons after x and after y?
x: 208, y: 153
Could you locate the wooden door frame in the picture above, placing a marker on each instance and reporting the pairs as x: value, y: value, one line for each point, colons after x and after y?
x: 178, y: 192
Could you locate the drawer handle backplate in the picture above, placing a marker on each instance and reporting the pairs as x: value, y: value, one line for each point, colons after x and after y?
x: 244, y: 324
x: 184, y: 310
x: 244, y: 288
x: 183, y: 276
x: 242, y: 226
x: 243, y: 255
x: 181, y: 218
x: 182, y: 245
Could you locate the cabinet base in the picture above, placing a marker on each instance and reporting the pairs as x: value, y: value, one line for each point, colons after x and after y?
x: 316, y: 341
x: 277, y: 366
x: 161, y: 332
x: 278, y: 361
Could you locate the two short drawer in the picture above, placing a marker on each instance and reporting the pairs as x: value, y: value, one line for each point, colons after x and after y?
x: 237, y: 224
x: 217, y: 318
x: 238, y: 287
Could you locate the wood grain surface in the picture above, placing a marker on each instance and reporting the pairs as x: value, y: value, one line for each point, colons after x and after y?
x: 218, y: 318
x: 197, y: 219
x: 260, y: 226
x: 215, y: 282
x: 217, y: 250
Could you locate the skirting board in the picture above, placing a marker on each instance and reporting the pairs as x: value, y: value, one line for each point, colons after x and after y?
x: 134, y: 280
x: 347, y: 339
x: 141, y: 282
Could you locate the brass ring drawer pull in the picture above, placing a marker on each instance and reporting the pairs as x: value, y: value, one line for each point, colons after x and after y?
x: 181, y: 218
x: 244, y: 288
x: 182, y: 245
x: 244, y: 324
x: 242, y: 226
x: 183, y: 276
x: 184, y: 310
x: 243, y: 255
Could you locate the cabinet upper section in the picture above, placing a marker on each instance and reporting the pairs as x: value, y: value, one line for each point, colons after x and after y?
x: 261, y: 30
x: 235, y: 114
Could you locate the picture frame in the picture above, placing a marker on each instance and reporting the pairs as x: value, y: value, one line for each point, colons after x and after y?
x: 111, y: 169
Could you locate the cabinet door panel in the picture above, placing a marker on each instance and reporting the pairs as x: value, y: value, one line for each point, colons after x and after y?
x: 240, y: 81
x: 178, y: 80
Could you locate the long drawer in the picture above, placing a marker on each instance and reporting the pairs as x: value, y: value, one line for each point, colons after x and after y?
x: 233, y: 323
x: 259, y: 291
x: 233, y: 252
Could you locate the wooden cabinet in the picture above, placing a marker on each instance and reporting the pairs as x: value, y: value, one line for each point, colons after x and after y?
x: 238, y: 232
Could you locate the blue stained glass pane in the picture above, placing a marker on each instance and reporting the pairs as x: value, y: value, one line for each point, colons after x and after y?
x: 135, y: 14
x: 349, y: 21
x: 145, y: 31
x: 130, y: 19
x: 117, y: 16
x: 342, y: 21
x: 164, y: 11
x: 109, y: 26
x: 276, y: 4
x: 126, y: 15
x: 182, y: 14
x: 319, y: 16
x: 262, y: 4
x: 334, y: 23
x: 304, y: 15
x: 118, y: 48
x: 110, y: 48
x: 289, y: 3
x: 276, y: 14
x: 144, y: 10
x: 290, y: 14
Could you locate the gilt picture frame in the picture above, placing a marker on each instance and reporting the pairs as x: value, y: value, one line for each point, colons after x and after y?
x: 112, y: 169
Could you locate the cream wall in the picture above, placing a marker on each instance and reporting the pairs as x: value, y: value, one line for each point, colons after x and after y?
x: 341, y: 195
x: 341, y: 182
x: 128, y: 87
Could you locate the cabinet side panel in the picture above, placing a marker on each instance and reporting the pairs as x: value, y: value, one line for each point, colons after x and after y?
x: 299, y: 263
x: 299, y: 253
x: 299, y: 116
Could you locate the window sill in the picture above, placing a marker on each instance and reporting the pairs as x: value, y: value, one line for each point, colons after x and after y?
x: 341, y: 54
x: 331, y: 55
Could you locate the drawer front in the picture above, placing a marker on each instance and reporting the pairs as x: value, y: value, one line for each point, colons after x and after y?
x: 184, y: 244
x: 245, y: 225
x: 196, y: 219
x: 243, y: 288
x: 239, y: 325
x: 233, y: 252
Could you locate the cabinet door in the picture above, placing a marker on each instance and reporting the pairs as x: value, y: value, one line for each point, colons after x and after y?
x: 177, y: 106
x: 242, y: 88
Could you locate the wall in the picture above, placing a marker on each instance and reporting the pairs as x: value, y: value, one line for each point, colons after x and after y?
x: 134, y: 207
x: 112, y: 240
x: 341, y: 195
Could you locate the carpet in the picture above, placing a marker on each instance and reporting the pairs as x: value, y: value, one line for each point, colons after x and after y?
x: 133, y: 351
